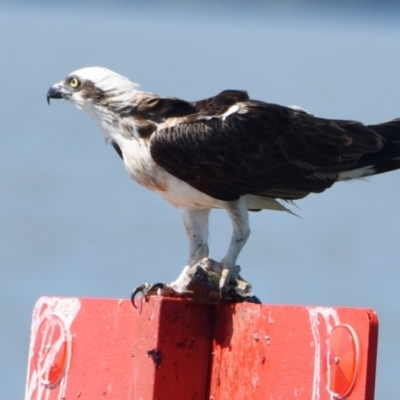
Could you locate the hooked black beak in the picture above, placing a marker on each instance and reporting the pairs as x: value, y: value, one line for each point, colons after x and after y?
x: 57, y: 92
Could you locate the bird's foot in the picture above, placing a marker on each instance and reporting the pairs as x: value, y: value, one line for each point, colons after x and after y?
x: 156, y: 289
x: 230, y: 285
x: 207, y: 281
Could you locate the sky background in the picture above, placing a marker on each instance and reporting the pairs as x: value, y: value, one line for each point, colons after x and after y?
x: 73, y: 224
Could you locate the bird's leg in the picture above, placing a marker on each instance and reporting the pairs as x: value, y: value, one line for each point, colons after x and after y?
x: 195, y: 221
x: 204, y: 279
x: 196, y: 225
x: 239, y: 216
x: 207, y: 280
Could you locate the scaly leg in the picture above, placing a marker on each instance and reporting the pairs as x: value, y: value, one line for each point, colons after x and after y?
x: 239, y: 216
x: 202, y: 278
x: 196, y: 225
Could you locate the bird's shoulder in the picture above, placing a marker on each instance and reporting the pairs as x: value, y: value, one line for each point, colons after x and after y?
x: 159, y: 109
x: 221, y: 104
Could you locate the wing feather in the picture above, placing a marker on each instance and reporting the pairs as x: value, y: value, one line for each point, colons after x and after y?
x: 262, y: 149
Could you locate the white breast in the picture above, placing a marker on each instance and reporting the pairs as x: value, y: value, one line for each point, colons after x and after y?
x: 144, y: 170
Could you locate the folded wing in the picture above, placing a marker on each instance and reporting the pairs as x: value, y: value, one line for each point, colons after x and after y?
x: 232, y: 146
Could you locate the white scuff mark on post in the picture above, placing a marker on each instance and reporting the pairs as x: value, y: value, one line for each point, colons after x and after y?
x: 329, y: 316
x: 270, y: 319
x: 64, y: 310
x: 298, y: 391
x: 255, y: 381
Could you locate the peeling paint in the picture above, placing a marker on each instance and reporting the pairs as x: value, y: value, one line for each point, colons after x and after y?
x: 330, y: 317
x: 50, y: 314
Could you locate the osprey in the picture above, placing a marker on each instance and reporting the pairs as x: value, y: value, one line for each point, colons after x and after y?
x: 227, y: 152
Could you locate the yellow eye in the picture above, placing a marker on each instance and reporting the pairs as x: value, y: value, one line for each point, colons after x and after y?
x: 74, y: 83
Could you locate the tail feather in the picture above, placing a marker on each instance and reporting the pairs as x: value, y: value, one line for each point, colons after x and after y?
x: 385, y: 160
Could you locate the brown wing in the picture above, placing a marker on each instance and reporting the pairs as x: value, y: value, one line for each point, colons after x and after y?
x: 148, y: 110
x: 262, y: 149
x: 220, y: 103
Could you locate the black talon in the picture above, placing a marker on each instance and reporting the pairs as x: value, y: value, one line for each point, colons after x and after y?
x: 139, y: 289
x: 158, y: 286
x: 146, y: 289
x: 203, y: 285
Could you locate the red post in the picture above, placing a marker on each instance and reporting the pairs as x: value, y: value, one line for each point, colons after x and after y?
x: 175, y: 349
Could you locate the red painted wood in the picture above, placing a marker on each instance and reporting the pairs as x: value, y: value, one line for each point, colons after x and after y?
x: 111, y: 345
x: 175, y: 349
x: 267, y: 351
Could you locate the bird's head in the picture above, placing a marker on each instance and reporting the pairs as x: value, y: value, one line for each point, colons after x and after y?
x: 93, y: 86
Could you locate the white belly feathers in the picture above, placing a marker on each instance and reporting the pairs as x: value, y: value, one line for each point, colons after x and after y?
x: 143, y: 169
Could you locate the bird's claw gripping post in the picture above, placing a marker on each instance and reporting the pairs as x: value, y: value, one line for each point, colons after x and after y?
x: 146, y: 289
x: 204, y: 286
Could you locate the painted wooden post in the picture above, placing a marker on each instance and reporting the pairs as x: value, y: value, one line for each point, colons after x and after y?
x: 178, y: 349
